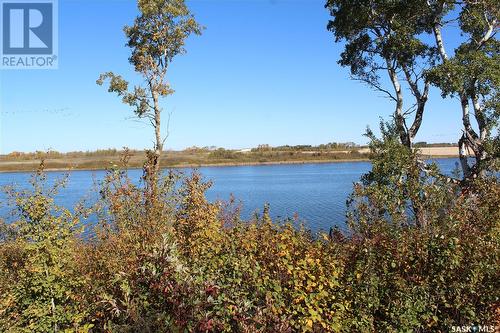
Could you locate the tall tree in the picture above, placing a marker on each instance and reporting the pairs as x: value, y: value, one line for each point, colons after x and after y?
x: 157, y: 36
x: 393, y: 36
x: 472, y: 74
x: 381, y: 36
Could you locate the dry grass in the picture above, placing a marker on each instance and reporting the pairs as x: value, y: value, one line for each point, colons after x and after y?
x: 105, y: 159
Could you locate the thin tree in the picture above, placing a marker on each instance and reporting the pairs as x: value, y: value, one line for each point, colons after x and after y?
x: 156, y: 37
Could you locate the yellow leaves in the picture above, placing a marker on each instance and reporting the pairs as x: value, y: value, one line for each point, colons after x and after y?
x: 6, y: 302
x: 263, y: 270
x: 311, y: 261
x: 314, y: 283
x: 197, y: 223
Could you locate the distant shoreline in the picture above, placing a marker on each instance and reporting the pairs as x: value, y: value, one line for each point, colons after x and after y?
x: 202, y: 165
x: 32, y: 167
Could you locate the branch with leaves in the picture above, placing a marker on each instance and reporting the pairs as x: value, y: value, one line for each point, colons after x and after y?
x: 156, y: 37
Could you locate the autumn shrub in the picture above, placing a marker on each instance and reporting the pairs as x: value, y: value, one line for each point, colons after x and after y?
x: 199, y: 273
x: 424, y: 251
x: 131, y: 226
x: 413, y: 279
x: 270, y: 277
x: 39, y: 281
x: 421, y: 254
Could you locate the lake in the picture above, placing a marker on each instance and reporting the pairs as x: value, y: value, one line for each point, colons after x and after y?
x: 316, y: 193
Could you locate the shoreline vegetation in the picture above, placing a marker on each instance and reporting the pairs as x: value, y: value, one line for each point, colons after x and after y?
x: 422, y: 249
x: 199, y: 157
x: 179, y: 263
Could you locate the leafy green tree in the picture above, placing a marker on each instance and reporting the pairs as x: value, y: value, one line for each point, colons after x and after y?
x: 156, y: 37
x: 382, y: 36
x: 472, y: 74
x: 396, y: 189
x: 393, y: 36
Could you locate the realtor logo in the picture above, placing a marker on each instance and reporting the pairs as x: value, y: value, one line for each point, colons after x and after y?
x: 29, y: 34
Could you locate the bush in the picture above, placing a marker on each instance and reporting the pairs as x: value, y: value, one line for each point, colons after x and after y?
x: 422, y: 254
x: 405, y: 278
x: 39, y: 282
x: 424, y: 251
x: 224, y: 154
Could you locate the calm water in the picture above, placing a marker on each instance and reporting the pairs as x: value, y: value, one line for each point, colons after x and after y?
x: 316, y: 193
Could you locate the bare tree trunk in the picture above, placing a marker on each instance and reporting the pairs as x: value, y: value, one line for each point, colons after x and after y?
x: 481, y: 120
x: 152, y: 165
x: 159, y: 141
x: 470, y: 139
x: 412, y: 132
x: 398, y: 113
x: 421, y: 98
x: 462, y: 153
x: 407, y: 135
x: 439, y: 42
x: 472, y: 136
x: 153, y: 171
x: 464, y: 101
x: 480, y: 153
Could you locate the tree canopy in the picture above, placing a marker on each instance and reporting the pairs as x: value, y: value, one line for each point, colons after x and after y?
x: 404, y: 40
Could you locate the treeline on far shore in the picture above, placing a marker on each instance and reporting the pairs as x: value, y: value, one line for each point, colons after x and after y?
x: 192, y: 156
x: 37, y: 155
x: 188, y: 158
x: 110, y: 152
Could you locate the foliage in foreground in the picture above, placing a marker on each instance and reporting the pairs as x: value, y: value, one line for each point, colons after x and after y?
x: 183, y: 264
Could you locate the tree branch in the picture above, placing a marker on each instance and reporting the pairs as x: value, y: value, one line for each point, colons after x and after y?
x: 377, y: 87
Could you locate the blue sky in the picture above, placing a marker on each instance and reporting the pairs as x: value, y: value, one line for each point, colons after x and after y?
x: 264, y: 71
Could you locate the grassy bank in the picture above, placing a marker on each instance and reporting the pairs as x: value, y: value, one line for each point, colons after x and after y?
x: 89, y: 161
x: 104, y: 159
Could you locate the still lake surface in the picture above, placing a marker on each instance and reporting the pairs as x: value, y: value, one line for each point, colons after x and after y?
x: 316, y: 193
